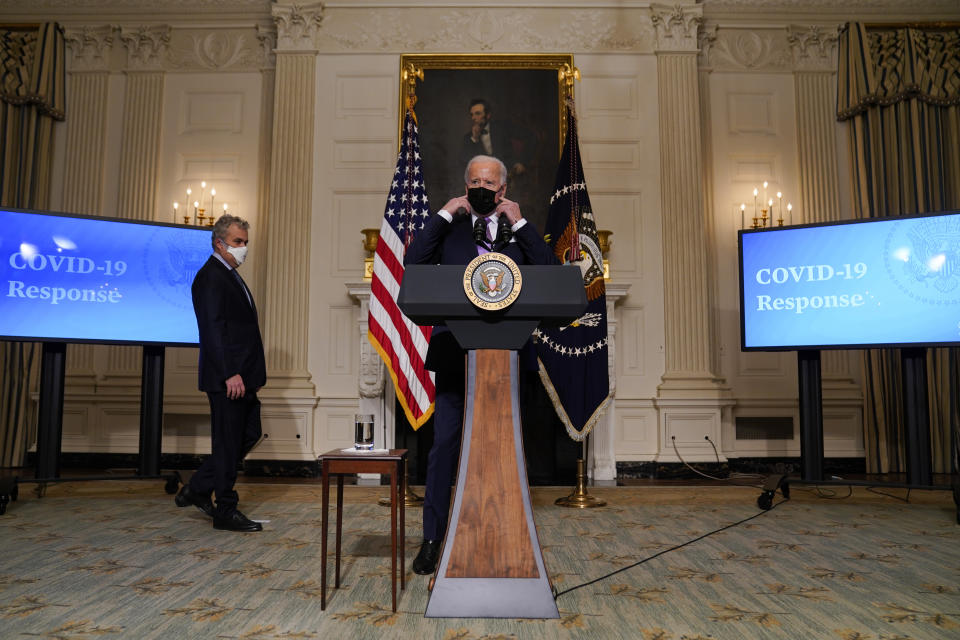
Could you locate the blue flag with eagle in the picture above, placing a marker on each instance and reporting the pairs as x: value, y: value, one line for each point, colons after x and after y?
x: 573, y: 359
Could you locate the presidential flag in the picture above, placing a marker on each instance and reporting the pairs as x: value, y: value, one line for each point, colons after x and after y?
x: 401, y: 343
x: 573, y: 359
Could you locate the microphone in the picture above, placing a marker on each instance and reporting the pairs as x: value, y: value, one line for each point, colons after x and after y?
x: 460, y: 211
x: 504, y: 233
x: 480, y: 232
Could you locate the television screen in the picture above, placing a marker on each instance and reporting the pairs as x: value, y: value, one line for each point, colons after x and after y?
x: 873, y: 282
x: 70, y: 278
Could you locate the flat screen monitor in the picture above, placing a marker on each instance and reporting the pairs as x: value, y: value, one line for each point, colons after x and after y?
x: 864, y: 283
x: 71, y: 278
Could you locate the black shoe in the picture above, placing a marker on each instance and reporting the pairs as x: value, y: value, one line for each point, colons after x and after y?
x: 187, y: 497
x: 426, y: 561
x: 235, y: 521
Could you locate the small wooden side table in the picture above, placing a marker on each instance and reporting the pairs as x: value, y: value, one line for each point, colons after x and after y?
x: 340, y: 462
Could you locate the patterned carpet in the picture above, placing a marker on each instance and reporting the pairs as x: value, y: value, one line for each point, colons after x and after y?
x: 119, y: 560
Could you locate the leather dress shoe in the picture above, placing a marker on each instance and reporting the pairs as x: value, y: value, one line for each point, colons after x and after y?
x: 187, y: 497
x: 235, y: 521
x: 426, y: 561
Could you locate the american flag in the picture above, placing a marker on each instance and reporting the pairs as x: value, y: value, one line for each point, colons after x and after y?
x: 401, y: 343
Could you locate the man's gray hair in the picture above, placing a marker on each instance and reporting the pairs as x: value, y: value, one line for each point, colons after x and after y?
x: 503, y: 168
x: 223, y: 223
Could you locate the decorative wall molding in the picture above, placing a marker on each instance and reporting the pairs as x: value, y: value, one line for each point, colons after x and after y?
x: 116, y: 6
x: 216, y: 50
x: 298, y: 26
x: 267, y: 37
x: 814, y: 48
x: 676, y: 26
x: 486, y: 30
x: 89, y: 48
x: 759, y: 50
x: 706, y: 39
x: 146, y: 46
x: 832, y: 6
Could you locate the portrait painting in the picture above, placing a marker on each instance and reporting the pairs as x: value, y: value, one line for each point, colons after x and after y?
x: 507, y: 106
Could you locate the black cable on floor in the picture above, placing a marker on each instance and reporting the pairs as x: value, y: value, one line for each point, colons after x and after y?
x: 665, y: 551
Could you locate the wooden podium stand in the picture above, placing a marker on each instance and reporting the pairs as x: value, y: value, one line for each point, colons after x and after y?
x: 491, y: 565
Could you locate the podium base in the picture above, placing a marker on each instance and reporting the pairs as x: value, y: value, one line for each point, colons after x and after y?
x: 491, y: 565
x: 492, y: 598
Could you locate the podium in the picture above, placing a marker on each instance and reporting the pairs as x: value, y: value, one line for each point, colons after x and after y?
x: 491, y: 565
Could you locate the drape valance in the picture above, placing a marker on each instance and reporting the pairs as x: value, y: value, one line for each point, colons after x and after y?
x: 883, y: 67
x: 31, y: 68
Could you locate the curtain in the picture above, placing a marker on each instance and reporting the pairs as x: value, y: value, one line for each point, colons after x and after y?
x: 900, y: 91
x: 32, y: 97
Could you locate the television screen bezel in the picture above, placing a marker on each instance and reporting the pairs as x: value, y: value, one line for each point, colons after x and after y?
x: 59, y: 214
x: 822, y: 347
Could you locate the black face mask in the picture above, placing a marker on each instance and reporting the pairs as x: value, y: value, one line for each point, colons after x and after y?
x: 482, y: 200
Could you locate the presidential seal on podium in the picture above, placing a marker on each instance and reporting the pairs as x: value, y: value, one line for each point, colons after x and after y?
x: 492, y: 281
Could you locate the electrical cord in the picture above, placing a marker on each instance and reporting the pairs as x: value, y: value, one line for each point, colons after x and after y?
x: 890, y: 495
x: 665, y: 551
x: 673, y: 441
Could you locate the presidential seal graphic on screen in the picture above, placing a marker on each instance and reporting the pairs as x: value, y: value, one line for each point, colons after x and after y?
x: 492, y: 281
x: 923, y: 259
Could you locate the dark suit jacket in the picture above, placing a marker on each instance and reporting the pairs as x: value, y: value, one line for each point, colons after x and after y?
x: 511, y: 144
x: 230, y: 340
x: 442, y: 242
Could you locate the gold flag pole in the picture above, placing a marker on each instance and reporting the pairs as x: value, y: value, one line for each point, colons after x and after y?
x: 580, y: 499
x: 410, y: 499
x: 409, y: 78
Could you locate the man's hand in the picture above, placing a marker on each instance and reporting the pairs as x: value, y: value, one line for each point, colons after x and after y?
x: 454, y: 206
x: 475, y: 132
x: 235, y: 388
x: 510, y: 209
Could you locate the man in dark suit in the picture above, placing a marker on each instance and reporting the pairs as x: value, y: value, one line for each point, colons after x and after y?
x: 232, y: 368
x: 511, y: 143
x: 478, y: 221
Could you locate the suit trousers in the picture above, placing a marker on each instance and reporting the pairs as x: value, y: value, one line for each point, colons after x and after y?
x: 234, y: 431
x: 445, y: 452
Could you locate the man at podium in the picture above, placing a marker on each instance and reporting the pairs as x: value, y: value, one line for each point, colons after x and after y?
x: 480, y: 221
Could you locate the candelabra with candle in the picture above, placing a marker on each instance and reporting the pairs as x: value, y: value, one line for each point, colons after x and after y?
x: 763, y: 210
x: 199, y: 215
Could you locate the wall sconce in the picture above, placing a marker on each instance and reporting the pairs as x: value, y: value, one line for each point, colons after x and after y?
x: 370, y: 239
x: 603, y: 237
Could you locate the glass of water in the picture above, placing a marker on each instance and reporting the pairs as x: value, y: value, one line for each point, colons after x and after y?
x: 363, y: 432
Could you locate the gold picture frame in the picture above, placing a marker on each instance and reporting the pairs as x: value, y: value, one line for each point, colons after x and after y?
x: 525, y: 93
